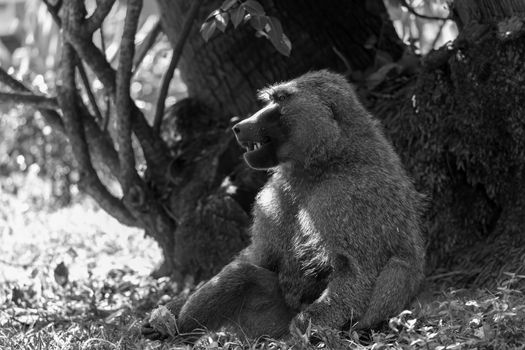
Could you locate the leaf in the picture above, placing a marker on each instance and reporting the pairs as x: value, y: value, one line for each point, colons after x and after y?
x: 227, y: 4
x: 253, y: 7
x: 278, y: 39
x: 207, y: 29
x: 221, y: 21
x: 237, y: 16
x: 61, y: 274
x: 259, y: 22
x: 287, y: 48
x: 212, y: 15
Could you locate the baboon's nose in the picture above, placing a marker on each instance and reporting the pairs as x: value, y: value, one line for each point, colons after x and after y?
x: 236, y: 129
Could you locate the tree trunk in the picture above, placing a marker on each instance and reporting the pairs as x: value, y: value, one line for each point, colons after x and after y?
x: 226, y: 71
x: 461, y: 130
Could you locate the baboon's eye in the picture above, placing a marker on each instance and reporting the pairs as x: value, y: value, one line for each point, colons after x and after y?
x: 281, y: 98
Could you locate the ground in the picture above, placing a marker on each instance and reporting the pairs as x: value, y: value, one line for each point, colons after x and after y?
x: 73, y: 278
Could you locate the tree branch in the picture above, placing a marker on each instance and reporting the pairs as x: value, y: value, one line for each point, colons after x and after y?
x: 53, y: 10
x: 50, y: 116
x: 99, y: 143
x: 107, y: 98
x: 11, y: 82
x: 177, y: 52
x: 123, y: 99
x: 87, y: 87
x: 412, y: 11
x: 29, y: 99
x: 89, y: 180
x: 146, y: 45
x: 94, y: 21
x: 154, y: 149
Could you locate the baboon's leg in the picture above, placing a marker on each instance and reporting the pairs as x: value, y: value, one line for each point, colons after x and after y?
x: 240, y: 292
x: 395, y: 287
x: 176, y: 304
x: 264, y: 311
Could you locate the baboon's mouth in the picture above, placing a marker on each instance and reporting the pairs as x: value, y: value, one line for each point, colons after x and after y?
x: 251, y: 146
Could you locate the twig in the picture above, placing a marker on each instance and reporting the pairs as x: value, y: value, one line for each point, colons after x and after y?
x: 87, y: 87
x: 345, y: 61
x: 51, y: 117
x: 94, y: 21
x: 95, y: 59
x: 89, y: 180
x: 146, y: 45
x: 438, y: 35
x: 100, y: 143
x: 412, y: 11
x: 29, y: 99
x: 123, y: 99
x: 177, y: 52
x: 107, y: 98
x: 53, y: 10
x: 11, y: 82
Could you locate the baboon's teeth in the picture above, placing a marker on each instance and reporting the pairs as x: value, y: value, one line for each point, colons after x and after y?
x: 257, y: 145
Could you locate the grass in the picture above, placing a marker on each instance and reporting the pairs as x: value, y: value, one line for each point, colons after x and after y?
x: 76, y: 279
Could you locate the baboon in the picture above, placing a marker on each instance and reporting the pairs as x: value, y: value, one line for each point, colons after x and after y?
x: 335, y: 238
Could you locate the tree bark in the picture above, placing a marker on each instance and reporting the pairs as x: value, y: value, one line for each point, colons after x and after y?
x: 461, y: 131
x: 226, y: 71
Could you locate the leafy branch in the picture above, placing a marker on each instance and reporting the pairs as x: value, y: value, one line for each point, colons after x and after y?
x: 249, y: 11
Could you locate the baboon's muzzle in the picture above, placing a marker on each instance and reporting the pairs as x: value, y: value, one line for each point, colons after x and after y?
x: 255, y: 135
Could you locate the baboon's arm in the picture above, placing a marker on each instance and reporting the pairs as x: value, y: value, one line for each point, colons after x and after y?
x: 342, y: 301
x: 352, y: 245
x: 258, y: 254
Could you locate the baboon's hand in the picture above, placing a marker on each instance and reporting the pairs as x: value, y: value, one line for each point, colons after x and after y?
x: 151, y: 333
x: 300, y: 323
x: 161, y: 324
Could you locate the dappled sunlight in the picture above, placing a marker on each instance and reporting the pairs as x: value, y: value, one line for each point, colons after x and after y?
x: 83, y: 235
x: 68, y: 265
x: 422, y: 34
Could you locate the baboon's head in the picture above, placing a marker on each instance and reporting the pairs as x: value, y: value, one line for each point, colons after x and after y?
x: 299, y: 123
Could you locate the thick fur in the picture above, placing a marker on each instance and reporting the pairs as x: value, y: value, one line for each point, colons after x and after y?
x: 335, y: 235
